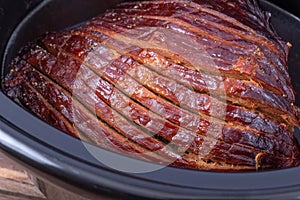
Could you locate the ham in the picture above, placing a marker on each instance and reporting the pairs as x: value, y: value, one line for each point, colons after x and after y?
x: 194, y: 84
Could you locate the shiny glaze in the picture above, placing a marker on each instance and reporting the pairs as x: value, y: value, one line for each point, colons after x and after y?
x: 242, y: 65
x: 173, y: 113
x: 72, y: 112
x: 216, y: 112
x: 56, y: 95
x: 244, y: 93
x: 224, y: 51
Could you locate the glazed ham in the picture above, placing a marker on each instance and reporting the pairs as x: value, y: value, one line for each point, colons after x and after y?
x: 199, y: 84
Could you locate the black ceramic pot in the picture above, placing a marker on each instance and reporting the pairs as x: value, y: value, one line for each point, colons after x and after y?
x: 60, y: 159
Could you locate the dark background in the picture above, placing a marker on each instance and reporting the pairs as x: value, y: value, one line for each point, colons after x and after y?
x: 292, y: 6
x: 21, y: 7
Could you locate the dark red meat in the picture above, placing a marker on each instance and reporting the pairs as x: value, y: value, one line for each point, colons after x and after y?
x: 199, y: 84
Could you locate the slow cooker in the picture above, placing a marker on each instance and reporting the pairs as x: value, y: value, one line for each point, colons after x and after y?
x: 64, y: 161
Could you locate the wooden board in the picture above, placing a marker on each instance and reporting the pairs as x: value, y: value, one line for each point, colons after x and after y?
x: 16, y: 183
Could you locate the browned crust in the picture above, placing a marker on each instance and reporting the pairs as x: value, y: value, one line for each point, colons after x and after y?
x: 112, y: 95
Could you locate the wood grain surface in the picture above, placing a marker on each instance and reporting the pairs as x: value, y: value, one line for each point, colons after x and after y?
x: 17, y: 184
